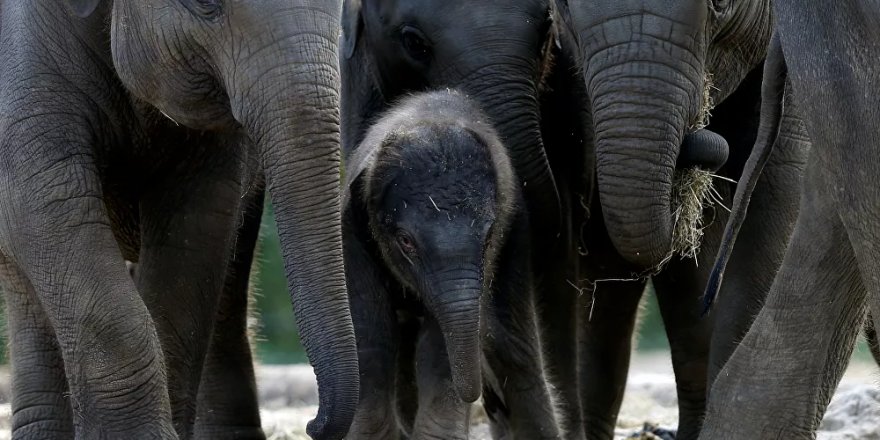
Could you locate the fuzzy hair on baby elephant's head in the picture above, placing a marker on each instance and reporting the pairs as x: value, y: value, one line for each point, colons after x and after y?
x: 437, y: 188
x: 435, y: 179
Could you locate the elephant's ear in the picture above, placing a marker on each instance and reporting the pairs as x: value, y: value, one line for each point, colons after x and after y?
x: 352, y: 22
x: 363, y: 157
x: 83, y: 8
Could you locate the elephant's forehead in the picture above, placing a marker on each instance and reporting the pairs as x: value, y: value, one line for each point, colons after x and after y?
x: 462, y: 196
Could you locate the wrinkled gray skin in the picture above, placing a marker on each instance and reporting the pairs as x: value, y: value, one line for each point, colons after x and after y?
x: 436, y: 245
x: 644, y: 65
x: 415, y: 47
x: 780, y: 379
x: 94, y: 174
x: 499, y: 55
x: 595, y: 325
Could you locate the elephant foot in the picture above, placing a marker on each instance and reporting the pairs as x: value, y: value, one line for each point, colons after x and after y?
x: 653, y: 432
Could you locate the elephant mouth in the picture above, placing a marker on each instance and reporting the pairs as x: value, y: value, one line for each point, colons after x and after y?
x: 703, y: 149
x: 702, y: 153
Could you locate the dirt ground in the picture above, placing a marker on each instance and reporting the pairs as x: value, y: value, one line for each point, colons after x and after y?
x: 288, y: 398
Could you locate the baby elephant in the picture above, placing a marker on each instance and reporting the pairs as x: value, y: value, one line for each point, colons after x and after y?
x: 437, y: 261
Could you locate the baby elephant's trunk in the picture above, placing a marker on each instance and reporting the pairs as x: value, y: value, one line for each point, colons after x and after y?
x: 456, y: 305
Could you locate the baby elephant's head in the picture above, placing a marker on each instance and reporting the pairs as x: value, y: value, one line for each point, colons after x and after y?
x: 438, y: 188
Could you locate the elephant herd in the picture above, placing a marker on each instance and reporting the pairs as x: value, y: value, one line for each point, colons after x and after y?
x: 470, y: 196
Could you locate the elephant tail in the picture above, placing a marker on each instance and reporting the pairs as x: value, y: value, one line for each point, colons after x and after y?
x: 775, y: 74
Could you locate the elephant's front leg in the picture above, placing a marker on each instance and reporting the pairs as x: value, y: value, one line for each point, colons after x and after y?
x: 516, y: 395
x: 406, y: 387
x: 40, y: 406
x: 557, y: 316
x: 608, y: 317
x: 56, y: 229
x: 227, y: 403
x: 679, y: 288
x: 441, y: 413
x: 376, y: 332
x: 188, y: 221
x: 782, y: 375
x: 871, y: 324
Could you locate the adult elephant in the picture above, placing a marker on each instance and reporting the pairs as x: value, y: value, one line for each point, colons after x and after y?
x: 497, y: 55
x: 500, y: 54
x: 779, y: 381
x: 652, y: 71
x: 94, y: 174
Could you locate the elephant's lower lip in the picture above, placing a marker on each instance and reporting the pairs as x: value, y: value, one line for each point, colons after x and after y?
x: 703, y: 149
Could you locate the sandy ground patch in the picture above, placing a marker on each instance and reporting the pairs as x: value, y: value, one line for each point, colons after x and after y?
x: 854, y: 412
x: 288, y: 397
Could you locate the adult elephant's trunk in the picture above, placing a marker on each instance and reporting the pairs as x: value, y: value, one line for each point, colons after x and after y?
x: 453, y: 297
x: 289, y: 106
x: 510, y: 98
x: 647, y: 93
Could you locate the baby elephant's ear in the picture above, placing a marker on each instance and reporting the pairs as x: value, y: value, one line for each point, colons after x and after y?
x: 355, y: 165
x: 83, y: 8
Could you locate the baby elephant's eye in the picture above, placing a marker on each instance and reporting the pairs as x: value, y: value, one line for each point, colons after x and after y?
x: 406, y: 242
x: 415, y: 43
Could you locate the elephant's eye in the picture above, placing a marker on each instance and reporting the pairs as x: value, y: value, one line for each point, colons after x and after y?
x: 207, y: 9
x: 415, y: 43
x: 720, y: 5
x: 406, y: 242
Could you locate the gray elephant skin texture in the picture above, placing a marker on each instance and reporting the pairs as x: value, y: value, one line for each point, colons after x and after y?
x: 146, y: 131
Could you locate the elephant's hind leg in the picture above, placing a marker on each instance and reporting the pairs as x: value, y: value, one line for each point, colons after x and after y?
x: 781, y: 377
x: 188, y: 221
x: 227, y: 403
x: 40, y: 405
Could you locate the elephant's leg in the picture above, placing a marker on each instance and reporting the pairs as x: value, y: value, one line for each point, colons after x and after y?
x: 515, y: 393
x: 762, y: 241
x: 441, y: 413
x: 56, y: 229
x: 781, y: 377
x: 608, y: 315
x: 407, y: 389
x: 188, y: 222
x: 679, y: 290
x: 40, y: 406
x: 871, y: 332
x: 557, y: 317
x: 227, y: 402
x: 377, y: 334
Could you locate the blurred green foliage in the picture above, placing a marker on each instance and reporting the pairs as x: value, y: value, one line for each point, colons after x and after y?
x: 278, y: 338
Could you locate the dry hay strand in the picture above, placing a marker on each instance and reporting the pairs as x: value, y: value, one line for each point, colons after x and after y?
x: 692, y: 193
x: 706, y: 105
